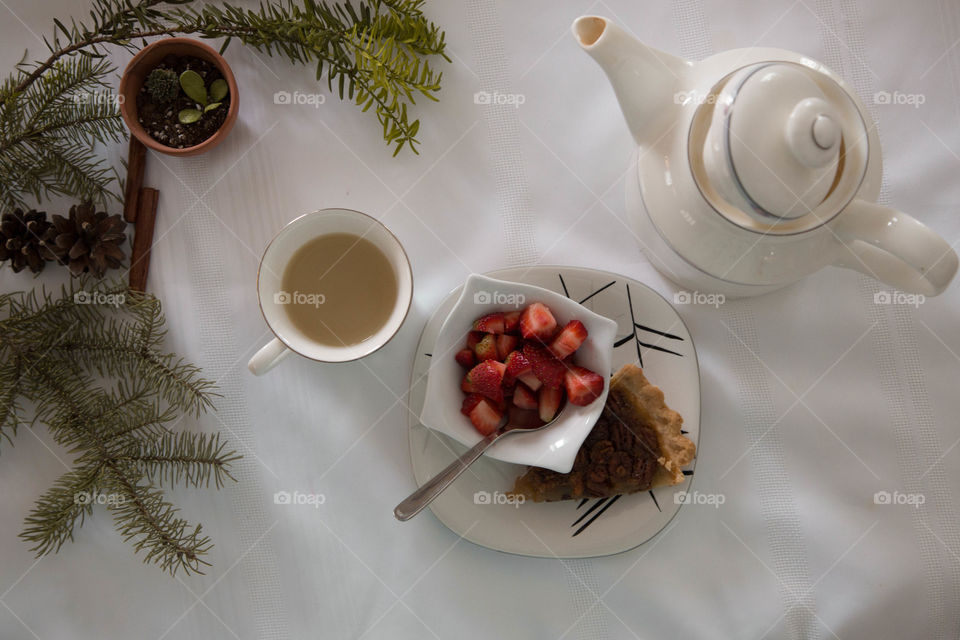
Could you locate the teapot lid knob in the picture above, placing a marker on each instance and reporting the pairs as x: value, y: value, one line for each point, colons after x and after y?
x: 824, y: 131
x: 783, y: 141
x: 813, y: 133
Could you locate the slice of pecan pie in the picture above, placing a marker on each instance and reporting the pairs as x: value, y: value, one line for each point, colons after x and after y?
x: 636, y: 445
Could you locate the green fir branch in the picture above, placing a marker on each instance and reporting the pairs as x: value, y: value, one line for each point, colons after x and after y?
x: 96, y: 377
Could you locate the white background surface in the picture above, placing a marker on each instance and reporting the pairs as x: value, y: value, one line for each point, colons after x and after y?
x: 861, y: 398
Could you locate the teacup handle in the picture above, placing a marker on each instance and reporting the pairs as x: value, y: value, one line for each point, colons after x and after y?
x: 895, y: 248
x: 268, y: 357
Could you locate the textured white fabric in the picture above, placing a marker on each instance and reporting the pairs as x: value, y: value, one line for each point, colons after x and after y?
x: 863, y: 396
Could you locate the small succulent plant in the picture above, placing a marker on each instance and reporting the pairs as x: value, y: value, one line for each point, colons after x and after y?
x: 162, y: 85
x: 207, y: 100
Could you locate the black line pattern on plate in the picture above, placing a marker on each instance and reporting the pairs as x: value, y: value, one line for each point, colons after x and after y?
x: 606, y: 286
x: 655, y: 501
x: 564, y: 285
x: 589, y: 511
x: 656, y: 348
x: 598, y: 514
x: 657, y: 331
x: 637, y: 326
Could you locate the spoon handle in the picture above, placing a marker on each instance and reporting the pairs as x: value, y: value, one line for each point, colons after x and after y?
x: 433, y: 487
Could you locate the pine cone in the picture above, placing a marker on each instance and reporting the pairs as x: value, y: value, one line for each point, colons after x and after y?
x: 89, y: 240
x: 21, y: 239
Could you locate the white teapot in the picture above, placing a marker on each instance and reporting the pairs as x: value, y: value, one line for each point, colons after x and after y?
x: 757, y: 167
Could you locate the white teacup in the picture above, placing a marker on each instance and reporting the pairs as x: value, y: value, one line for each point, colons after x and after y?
x: 269, y: 288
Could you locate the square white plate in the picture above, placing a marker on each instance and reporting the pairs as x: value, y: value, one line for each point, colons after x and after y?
x: 651, y: 334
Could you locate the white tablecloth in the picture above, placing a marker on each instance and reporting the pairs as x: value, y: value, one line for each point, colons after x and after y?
x: 814, y: 397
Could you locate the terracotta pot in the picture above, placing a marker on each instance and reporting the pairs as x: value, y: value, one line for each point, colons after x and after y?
x: 144, y: 62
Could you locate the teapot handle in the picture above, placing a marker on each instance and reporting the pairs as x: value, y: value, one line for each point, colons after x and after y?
x: 894, y: 248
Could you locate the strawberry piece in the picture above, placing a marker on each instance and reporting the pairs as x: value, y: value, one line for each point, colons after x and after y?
x: 486, y: 349
x: 537, y: 322
x: 524, y: 398
x: 465, y: 358
x: 473, y: 338
x: 492, y: 323
x: 548, y: 369
x: 511, y: 322
x: 469, y: 403
x: 517, y: 364
x: 506, y: 344
x: 523, y: 418
x: 549, y: 401
x: 569, y: 339
x: 485, y: 417
x: 583, y: 386
x: 485, y: 379
x: 532, y: 381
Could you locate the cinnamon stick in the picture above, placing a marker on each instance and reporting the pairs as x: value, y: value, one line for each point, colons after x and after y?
x: 147, y: 199
x: 136, y: 166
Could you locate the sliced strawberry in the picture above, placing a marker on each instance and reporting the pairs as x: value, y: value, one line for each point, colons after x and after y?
x: 469, y: 403
x: 583, y: 386
x: 506, y: 344
x: 517, y: 364
x: 465, y: 358
x: 549, y: 401
x: 524, y: 398
x: 569, y: 339
x: 473, y: 338
x: 548, y: 369
x: 511, y: 322
x: 537, y: 322
x: 485, y: 417
x: 485, y: 379
x: 523, y: 418
x: 530, y: 380
x: 486, y: 349
x: 492, y: 323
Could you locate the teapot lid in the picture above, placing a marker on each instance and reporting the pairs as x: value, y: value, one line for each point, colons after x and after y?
x: 785, y: 147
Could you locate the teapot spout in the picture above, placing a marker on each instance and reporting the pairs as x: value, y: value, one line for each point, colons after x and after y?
x: 645, y: 80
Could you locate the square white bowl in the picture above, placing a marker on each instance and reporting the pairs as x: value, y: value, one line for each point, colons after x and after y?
x: 552, y: 448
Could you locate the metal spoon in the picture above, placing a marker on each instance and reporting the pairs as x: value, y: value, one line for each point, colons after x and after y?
x: 436, y: 485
